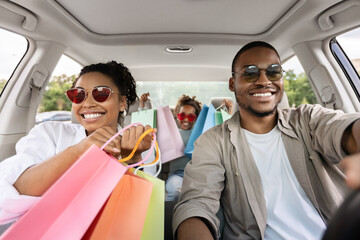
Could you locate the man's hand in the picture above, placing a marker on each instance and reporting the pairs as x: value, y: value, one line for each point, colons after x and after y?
x: 193, y: 229
x: 351, y: 166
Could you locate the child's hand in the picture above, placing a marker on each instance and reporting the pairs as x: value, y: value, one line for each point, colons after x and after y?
x: 143, y: 99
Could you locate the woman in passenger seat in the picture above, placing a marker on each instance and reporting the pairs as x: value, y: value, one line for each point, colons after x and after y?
x: 99, y: 94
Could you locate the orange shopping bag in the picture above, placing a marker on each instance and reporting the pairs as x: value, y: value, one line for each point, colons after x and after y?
x: 123, y: 215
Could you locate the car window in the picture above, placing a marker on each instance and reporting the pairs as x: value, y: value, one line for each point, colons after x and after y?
x: 350, y: 43
x: 296, y: 84
x: 346, y: 50
x: 55, y: 106
x: 12, y: 48
x: 168, y: 93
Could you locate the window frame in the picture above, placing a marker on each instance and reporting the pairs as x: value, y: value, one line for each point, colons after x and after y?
x: 346, y: 66
x: 20, y: 60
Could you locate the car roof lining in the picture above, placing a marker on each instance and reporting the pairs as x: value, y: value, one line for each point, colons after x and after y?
x: 148, y: 18
x: 140, y: 50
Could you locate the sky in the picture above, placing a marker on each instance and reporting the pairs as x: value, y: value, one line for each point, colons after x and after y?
x: 12, y: 48
x: 67, y: 66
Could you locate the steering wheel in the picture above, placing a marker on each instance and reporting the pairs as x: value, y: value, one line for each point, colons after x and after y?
x: 346, y: 222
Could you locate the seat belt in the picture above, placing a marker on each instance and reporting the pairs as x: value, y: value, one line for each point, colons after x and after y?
x: 328, y: 97
x: 36, y: 83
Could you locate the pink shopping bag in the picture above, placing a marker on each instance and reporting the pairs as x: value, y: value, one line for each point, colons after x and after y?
x: 68, y: 207
x: 168, y: 136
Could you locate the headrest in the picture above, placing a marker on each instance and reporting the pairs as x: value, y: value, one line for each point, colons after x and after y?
x: 73, y: 118
x: 284, y: 103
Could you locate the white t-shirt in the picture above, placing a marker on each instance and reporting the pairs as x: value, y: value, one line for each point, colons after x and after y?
x: 43, y: 142
x: 291, y: 215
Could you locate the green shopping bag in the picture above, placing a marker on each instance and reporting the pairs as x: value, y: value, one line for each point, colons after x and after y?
x: 146, y: 117
x: 154, y: 220
x: 221, y: 116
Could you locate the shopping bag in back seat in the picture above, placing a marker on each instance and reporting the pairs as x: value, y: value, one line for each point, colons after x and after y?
x: 221, y: 116
x: 205, y: 120
x: 145, y: 117
x: 168, y: 136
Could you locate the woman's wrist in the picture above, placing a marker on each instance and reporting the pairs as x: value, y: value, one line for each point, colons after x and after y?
x: 136, y: 158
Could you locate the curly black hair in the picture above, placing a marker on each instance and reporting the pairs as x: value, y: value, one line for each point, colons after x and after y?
x: 186, y: 100
x: 121, y: 77
x: 119, y: 74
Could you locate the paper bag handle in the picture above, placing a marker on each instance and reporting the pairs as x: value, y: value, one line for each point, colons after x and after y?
x: 136, y: 146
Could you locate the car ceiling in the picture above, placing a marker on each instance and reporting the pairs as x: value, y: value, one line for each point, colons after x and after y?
x: 137, y: 32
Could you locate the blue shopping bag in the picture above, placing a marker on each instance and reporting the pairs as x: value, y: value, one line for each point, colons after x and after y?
x: 205, y: 121
x: 210, y: 119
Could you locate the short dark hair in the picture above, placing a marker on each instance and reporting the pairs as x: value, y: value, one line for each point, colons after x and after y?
x: 119, y: 74
x: 249, y: 46
x: 186, y: 100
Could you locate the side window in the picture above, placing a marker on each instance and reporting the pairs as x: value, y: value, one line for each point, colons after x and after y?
x: 346, y: 50
x: 296, y: 84
x: 12, y: 49
x: 54, y: 105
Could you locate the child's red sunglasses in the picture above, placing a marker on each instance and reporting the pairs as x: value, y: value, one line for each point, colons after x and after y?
x: 191, y: 117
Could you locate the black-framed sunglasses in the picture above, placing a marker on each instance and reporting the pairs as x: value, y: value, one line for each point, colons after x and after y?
x: 78, y: 95
x: 252, y: 72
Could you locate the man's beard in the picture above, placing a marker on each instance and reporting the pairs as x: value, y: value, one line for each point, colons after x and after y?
x: 261, y: 114
x: 257, y: 113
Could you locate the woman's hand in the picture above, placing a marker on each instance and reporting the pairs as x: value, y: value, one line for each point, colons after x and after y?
x: 129, y: 139
x: 121, y: 145
x: 38, y: 178
x: 99, y: 138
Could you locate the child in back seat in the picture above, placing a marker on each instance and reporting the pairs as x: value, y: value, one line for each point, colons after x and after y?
x: 186, y: 112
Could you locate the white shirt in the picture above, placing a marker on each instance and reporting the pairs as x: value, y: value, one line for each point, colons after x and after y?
x: 291, y: 215
x: 43, y: 142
